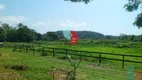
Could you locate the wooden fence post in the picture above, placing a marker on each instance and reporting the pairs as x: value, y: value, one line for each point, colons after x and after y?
x: 53, y: 52
x: 122, y: 61
x: 81, y: 56
x: 14, y: 48
x: 66, y: 53
x: 20, y: 48
x: 43, y: 51
x: 33, y: 50
x: 26, y: 49
x: 100, y: 59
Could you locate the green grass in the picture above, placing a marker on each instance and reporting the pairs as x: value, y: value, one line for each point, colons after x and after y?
x: 40, y: 67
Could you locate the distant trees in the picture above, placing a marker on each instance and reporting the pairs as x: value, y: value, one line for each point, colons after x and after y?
x: 50, y: 36
x: 25, y: 34
x: 111, y: 37
x: 83, y: 34
x: 2, y: 34
x: 137, y: 38
x: 90, y: 34
x: 21, y: 33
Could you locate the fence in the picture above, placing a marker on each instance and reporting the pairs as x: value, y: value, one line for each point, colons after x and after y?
x: 24, y: 47
x: 65, y: 52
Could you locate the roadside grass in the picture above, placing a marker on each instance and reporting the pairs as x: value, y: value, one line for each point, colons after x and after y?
x: 40, y: 67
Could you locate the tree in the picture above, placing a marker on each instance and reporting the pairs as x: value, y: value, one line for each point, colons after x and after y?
x: 12, y: 35
x: 38, y: 36
x: 2, y: 34
x: 122, y: 36
x: 20, y: 25
x: 141, y: 38
x: 25, y: 34
x: 5, y: 26
x: 131, y: 6
x: 132, y: 37
x: 51, y: 36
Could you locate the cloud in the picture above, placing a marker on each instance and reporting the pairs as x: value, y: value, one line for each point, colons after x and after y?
x: 72, y: 23
x: 1, y: 6
x: 39, y: 24
x: 44, y: 26
x: 12, y: 20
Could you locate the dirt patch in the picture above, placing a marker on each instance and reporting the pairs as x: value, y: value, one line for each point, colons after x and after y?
x: 10, y: 76
x: 17, y: 67
x: 7, y: 56
x: 138, y: 75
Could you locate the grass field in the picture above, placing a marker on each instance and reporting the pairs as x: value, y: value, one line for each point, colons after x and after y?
x: 20, y: 66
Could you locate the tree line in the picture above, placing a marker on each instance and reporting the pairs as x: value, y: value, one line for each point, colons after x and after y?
x: 21, y: 33
x: 136, y: 38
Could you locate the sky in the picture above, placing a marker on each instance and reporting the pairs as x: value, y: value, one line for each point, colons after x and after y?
x: 104, y: 16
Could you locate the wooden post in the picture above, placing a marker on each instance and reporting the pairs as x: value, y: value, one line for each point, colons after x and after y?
x: 66, y: 53
x: 81, y: 56
x: 20, y: 48
x: 122, y: 61
x: 33, y: 50
x: 100, y: 59
x: 26, y: 49
x: 14, y: 48
x: 43, y: 51
x: 53, y: 52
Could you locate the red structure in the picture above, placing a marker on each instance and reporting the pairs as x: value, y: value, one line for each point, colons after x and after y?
x: 74, y: 38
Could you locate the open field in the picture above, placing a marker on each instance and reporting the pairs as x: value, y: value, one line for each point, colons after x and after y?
x: 37, y: 67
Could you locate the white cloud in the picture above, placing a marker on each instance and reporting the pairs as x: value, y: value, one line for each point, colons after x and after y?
x: 39, y: 24
x: 1, y: 6
x: 44, y: 26
x: 12, y: 20
x: 71, y: 23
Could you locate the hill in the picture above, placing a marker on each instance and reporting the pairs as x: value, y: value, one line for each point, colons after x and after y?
x: 84, y: 34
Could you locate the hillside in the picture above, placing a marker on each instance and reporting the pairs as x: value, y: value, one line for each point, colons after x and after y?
x: 84, y: 34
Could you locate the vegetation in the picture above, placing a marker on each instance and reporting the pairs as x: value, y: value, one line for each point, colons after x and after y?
x: 2, y: 34
x: 133, y: 5
x: 23, y: 66
x: 83, y: 34
x: 131, y: 37
x: 20, y: 66
x: 21, y: 33
x: 72, y: 74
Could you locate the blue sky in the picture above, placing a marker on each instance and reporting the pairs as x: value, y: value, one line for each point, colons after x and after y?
x: 104, y: 16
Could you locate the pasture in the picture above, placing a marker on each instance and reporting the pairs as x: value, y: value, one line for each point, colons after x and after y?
x: 18, y: 65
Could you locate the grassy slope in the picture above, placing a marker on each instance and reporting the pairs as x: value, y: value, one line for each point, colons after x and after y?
x: 39, y: 68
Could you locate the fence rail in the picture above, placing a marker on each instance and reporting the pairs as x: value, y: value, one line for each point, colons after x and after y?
x: 65, y: 51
